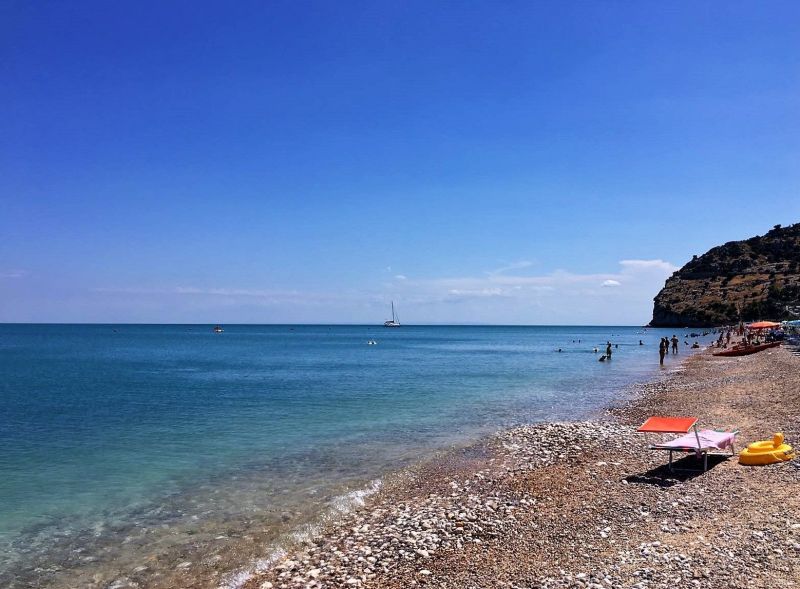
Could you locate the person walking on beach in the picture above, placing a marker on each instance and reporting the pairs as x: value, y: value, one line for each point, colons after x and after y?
x: 662, y: 351
x: 674, y: 344
x: 608, y: 350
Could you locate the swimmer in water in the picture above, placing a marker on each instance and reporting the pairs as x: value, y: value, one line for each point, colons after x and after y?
x: 602, y: 358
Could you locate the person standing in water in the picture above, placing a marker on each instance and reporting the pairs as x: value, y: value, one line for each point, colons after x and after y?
x: 674, y: 344
x: 662, y: 351
x: 608, y: 350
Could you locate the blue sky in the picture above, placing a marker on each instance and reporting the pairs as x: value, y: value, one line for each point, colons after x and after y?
x: 477, y: 162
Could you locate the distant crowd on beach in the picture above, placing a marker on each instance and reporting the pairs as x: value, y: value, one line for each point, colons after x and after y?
x: 749, y: 337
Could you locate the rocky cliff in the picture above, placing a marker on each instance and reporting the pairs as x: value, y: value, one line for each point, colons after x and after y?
x: 758, y: 278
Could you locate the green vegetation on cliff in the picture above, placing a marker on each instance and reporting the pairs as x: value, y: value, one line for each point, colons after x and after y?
x: 758, y: 278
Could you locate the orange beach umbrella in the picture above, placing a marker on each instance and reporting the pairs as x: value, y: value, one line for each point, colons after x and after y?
x: 763, y: 325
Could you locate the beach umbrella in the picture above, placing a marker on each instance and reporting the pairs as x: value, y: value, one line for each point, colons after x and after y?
x: 763, y: 325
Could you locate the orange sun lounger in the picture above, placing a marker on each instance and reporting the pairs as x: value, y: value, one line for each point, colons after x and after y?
x: 668, y: 425
x: 700, y: 442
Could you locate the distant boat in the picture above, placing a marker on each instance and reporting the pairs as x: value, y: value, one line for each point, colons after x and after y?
x: 394, y: 321
x: 218, y: 329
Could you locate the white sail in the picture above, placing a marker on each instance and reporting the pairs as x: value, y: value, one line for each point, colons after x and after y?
x: 394, y: 321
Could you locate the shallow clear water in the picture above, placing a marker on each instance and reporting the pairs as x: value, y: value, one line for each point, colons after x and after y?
x: 109, y: 432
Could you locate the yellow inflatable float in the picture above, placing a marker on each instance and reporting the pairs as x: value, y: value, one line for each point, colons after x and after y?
x: 766, y: 452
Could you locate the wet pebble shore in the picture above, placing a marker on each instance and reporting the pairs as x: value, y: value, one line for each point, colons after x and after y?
x: 581, y: 504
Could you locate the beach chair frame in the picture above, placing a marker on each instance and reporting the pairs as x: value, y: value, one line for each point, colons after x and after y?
x: 704, y: 452
x: 682, y: 425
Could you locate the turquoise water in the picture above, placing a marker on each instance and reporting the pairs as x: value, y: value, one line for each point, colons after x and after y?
x: 107, y: 431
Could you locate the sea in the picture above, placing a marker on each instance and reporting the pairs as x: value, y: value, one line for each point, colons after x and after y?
x: 149, y: 455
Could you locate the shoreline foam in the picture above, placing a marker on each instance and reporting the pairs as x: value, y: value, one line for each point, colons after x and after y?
x: 340, y: 506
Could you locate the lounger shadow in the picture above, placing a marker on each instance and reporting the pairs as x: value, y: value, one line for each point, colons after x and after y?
x: 683, y: 470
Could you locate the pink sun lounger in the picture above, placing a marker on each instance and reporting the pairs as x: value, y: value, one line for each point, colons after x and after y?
x: 700, y: 442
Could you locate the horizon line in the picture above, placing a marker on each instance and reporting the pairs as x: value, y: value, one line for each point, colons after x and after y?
x: 330, y: 324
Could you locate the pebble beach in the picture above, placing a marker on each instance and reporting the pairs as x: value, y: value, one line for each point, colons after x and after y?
x: 583, y: 504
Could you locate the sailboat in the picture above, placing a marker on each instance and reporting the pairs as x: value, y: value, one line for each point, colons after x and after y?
x: 394, y: 321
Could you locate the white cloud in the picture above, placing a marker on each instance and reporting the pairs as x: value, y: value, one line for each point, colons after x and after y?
x: 660, y: 265
x: 512, y: 266
x: 232, y: 296
x: 560, y: 296
x: 499, y: 296
x: 12, y: 274
x: 478, y: 293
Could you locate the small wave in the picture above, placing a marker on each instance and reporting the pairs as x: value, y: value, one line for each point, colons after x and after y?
x: 348, y: 501
x: 237, y: 580
x: 340, y: 505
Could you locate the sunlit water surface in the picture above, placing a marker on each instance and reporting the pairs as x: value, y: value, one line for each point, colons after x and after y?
x: 130, y: 451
